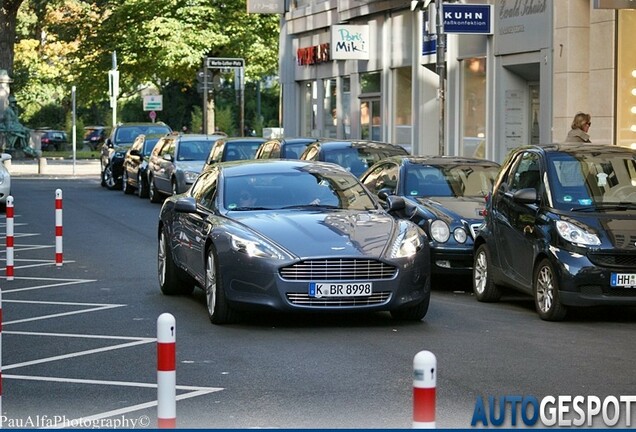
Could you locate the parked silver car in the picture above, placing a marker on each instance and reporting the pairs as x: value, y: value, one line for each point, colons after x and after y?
x: 176, y: 161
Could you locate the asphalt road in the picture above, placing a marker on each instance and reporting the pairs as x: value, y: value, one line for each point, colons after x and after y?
x: 78, y: 341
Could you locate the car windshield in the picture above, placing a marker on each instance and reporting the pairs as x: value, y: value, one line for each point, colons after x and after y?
x: 450, y: 180
x: 194, y: 150
x: 240, y: 150
x: 127, y: 134
x: 298, y: 190
x: 149, y: 144
x: 592, y: 180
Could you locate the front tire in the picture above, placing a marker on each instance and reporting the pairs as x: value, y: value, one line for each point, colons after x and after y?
x: 125, y: 185
x: 413, y: 313
x: 172, y: 281
x: 142, y: 187
x: 484, y: 287
x: 153, y: 192
x: 546, y: 293
x: 219, y: 311
x: 108, y: 179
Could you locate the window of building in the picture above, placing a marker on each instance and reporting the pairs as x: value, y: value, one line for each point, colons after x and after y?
x: 370, y: 109
x: 403, y: 120
x: 346, y: 107
x: 330, y: 114
x: 626, y: 79
x: 473, y: 123
x: 308, y: 108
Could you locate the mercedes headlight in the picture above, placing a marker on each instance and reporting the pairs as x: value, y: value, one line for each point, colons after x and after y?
x: 460, y: 235
x: 190, y: 176
x: 254, y: 247
x: 574, y: 234
x: 440, y: 231
x: 407, y: 243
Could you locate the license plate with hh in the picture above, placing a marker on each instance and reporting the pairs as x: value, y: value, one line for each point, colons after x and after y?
x: 340, y: 289
x: 623, y: 280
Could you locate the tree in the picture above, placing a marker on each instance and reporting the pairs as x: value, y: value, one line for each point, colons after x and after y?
x: 8, y: 17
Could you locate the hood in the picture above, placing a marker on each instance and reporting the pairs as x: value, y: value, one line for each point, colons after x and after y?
x: 193, y: 166
x: 616, y: 230
x: 323, y: 233
x: 452, y: 208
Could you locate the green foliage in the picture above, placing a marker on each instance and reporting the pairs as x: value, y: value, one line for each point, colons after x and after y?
x: 224, y: 120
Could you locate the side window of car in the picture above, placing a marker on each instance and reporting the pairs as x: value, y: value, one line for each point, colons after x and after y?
x: 217, y: 151
x: 371, y: 180
x: 311, y: 153
x: 527, y: 173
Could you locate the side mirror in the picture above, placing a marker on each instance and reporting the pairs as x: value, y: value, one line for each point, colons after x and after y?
x: 109, y: 143
x: 525, y: 196
x: 186, y: 205
x: 395, y: 203
x: 135, y: 152
x: 384, y: 193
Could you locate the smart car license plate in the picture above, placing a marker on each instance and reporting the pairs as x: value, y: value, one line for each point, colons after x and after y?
x: 623, y: 280
x: 340, y: 289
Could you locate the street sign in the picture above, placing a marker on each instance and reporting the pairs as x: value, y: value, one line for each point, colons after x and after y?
x: 467, y: 18
x: 219, y: 63
x: 153, y: 103
x: 152, y: 115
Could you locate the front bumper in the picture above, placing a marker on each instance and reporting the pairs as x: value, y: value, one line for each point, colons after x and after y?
x: 583, y: 283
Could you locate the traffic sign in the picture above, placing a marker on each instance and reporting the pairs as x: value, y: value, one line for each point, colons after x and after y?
x: 153, y: 103
x: 219, y: 63
x: 152, y: 115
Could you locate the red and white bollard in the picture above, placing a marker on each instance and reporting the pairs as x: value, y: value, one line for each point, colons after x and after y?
x: 1, y: 414
x: 166, y: 372
x: 424, y: 378
x: 10, y: 238
x: 58, y: 227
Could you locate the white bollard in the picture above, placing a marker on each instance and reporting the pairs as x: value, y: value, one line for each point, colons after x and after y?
x: 58, y: 228
x: 1, y: 413
x: 424, y: 379
x: 166, y: 372
x: 10, y: 238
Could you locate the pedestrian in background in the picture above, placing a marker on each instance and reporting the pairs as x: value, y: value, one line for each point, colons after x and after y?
x: 580, y: 125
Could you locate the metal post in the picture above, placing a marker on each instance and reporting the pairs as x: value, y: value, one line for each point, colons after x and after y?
x: 441, y: 71
x: 205, y: 95
x: 74, y: 127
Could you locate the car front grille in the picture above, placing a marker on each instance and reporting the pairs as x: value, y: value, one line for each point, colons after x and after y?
x: 615, y: 260
x: 303, y: 299
x: 338, y: 269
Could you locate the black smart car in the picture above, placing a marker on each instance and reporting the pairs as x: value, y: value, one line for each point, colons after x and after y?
x: 561, y: 225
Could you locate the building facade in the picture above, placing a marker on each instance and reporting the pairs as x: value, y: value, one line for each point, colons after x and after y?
x: 367, y: 69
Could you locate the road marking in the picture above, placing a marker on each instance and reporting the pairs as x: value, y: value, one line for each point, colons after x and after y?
x: 61, y: 314
x: 73, y: 335
x: 66, y: 282
x: 106, y: 382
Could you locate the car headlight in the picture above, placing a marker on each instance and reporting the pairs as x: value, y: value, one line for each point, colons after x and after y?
x: 407, y: 243
x: 190, y: 176
x: 460, y: 235
x: 574, y: 234
x: 254, y: 248
x: 440, y: 231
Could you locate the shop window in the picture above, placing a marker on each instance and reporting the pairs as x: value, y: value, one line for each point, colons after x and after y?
x: 626, y: 79
x: 473, y: 121
x: 403, y: 119
x: 330, y: 114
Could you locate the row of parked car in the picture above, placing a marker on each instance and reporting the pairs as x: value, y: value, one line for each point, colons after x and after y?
x: 557, y: 222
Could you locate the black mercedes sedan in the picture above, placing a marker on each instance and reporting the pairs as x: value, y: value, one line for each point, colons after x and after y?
x: 290, y: 235
x: 561, y: 226
x: 445, y: 195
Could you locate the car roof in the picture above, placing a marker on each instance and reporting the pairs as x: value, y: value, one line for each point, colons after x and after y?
x: 265, y: 166
x: 331, y: 143
x: 442, y: 160
x: 578, y: 148
x: 199, y: 137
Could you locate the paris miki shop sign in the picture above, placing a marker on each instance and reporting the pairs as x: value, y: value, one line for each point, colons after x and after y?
x: 348, y: 42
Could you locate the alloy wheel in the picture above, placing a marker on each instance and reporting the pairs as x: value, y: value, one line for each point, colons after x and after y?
x: 210, y: 283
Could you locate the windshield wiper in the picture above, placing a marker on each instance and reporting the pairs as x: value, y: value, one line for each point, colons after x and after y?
x: 623, y: 205
x: 246, y: 208
x: 310, y: 206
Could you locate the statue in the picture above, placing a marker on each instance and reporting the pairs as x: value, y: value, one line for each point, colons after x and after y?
x: 16, y: 135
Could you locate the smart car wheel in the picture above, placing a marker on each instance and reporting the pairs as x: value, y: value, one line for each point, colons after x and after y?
x: 125, y: 185
x: 218, y: 309
x: 546, y: 293
x: 174, y: 187
x: 172, y: 280
x: 483, y: 286
x: 107, y: 177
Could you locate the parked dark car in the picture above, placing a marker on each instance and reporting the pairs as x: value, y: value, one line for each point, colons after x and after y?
x: 283, y: 148
x: 117, y: 144
x: 561, y: 226
x: 94, y: 136
x: 135, y: 167
x: 176, y: 162
x: 355, y: 156
x: 53, y: 139
x: 445, y: 195
x: 234, y: 148
x: 247, y: 234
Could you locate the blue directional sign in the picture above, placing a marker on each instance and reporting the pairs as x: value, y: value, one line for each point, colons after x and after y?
x: 467, y: 18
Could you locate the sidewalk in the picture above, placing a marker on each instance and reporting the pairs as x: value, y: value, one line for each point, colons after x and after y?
x: 53, y: 167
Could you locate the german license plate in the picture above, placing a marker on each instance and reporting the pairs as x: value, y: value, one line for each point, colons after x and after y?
x: 340, y: 289
x: 623, y: 280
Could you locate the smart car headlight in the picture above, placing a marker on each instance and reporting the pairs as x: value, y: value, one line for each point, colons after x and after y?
x: 574, y: 234
x: 254, y: 247
x: 190, y: 176
x: 440, y: 231
x: 407, y: 243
